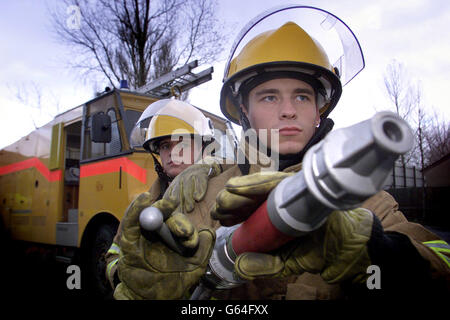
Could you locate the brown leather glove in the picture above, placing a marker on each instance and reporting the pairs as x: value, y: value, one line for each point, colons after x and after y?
x: 241, y: 196
x: 338, y: 251
x: 148, y: 268
x: 192, y: 183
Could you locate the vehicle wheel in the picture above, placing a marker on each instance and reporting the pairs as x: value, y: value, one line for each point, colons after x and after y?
x: 97, y: 283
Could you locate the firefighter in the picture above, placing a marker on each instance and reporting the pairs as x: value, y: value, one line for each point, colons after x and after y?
x: 178, y: 133
x: 283, y: 79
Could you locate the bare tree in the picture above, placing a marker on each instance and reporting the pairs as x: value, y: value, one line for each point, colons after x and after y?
x: 38, y: 102
x: 432, y: 132
x: 397, y: 86
x: 421, y: 121
x: 437, y: 138
x: 138, y: 40
x: 398, y: 89
x: 163, y: 59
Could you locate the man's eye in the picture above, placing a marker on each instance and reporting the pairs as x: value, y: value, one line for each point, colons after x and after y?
x: 302, y: 97
x: 164, y: 147
x: 269, y: 98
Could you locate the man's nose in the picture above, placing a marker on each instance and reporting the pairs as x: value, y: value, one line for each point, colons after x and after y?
x: 287, y: 109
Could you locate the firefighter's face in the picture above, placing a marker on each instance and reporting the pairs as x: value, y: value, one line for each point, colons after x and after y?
x: 177, y: 155
x: 287, y: 106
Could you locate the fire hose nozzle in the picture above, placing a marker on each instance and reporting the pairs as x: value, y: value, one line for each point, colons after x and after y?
x: 151, y: 219
x: 339, y: 173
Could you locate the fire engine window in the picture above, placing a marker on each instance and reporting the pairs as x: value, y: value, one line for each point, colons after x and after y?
x: 132, y: 117
x: 72, y: 155
x: 115, y: 146
x: 73, y: 140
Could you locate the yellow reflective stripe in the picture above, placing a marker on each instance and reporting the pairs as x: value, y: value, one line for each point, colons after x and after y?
x: 439, y: 246
x: 445, y: 258
x: 114, y: 249
x: 110, y: 265
x: 442, y: 249
x: 436, y: 241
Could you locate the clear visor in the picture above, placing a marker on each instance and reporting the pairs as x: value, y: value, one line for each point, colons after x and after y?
x: 338, y: 41
x: 139, y: 133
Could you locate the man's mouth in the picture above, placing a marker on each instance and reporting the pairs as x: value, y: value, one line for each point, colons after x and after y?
x: 289, y: 131
x: 171, y: 164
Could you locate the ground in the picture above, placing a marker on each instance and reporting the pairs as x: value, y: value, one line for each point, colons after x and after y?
x: 29, y: 277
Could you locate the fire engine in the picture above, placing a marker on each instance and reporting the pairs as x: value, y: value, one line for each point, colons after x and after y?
x: 66, y: 185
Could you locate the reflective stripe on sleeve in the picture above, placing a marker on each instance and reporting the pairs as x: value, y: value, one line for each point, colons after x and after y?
x: 114, y: 249
x: 440, y: 247
x: 110, y: 266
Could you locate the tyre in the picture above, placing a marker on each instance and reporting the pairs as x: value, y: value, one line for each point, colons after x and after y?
x: 95, y: 265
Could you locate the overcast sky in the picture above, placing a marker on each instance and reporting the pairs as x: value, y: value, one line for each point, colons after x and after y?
x: 414, y: 32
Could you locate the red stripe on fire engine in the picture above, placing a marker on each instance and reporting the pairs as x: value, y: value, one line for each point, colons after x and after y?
x: 32, y: 163
x: 114, y: 165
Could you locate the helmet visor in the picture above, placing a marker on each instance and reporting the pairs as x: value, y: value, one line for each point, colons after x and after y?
x: 139, y: 133
x: 338, y: 41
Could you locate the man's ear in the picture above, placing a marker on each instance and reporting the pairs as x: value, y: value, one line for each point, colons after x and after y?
x: 244, y: 109
x: 317, y: 120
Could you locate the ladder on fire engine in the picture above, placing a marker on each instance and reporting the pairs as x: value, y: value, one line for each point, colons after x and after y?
x: 181, y: 79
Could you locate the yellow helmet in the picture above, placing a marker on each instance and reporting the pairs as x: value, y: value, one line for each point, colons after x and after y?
x: 139, y: 132
x: 288, y: 51
x: 176, y: 118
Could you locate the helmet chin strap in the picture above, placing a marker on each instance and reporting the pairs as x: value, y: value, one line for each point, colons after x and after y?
x: 163, y: 177
x: 245, y: 123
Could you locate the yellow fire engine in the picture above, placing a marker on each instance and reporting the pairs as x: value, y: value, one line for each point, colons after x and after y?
x: 60, y: 188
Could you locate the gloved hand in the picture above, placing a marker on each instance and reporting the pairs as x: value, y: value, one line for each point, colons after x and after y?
x: 337, y: 250
x: 243, y: 195
x: 192, y: 183
x: 148, y: 269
